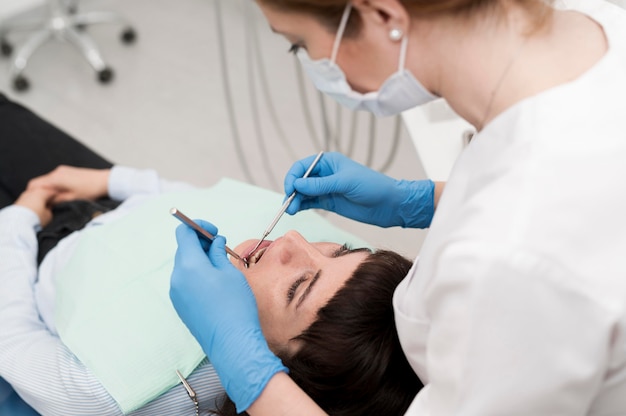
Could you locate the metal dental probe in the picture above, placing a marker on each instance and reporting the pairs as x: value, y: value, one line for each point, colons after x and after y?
x: 283, y: 209
x: 202, y: 232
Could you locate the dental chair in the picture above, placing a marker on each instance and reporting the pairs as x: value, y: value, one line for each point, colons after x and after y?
x: 62, y: 20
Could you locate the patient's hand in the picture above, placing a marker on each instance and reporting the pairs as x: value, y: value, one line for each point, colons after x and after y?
x: 38, y: 200
x: 70, y: 183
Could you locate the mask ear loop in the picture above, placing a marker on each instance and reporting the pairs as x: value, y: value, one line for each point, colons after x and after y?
x: 342, y: 28
x: 340, y: 31
x: 403, y: 49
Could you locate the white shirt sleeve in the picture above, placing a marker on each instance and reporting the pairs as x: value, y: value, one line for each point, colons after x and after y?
x: 512, y: 333
x: 32, y: 360
x: 125, y: 182
x: 38, y: 365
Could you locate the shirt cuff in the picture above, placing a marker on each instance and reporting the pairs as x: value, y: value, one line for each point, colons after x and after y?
x: 125, y: 182
x: 17, y: 217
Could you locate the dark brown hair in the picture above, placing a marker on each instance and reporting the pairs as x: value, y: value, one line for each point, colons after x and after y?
x: 350, y: 360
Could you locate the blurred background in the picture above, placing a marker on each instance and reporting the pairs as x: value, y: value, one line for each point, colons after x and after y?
x: 206, y: 90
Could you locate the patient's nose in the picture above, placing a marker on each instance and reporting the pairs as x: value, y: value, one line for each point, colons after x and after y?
x: 297, y: 249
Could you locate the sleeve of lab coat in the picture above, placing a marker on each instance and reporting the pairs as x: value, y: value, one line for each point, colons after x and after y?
x: 512, y: 332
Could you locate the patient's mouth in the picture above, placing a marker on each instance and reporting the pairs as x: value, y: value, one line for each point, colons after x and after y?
x: 254, y: 257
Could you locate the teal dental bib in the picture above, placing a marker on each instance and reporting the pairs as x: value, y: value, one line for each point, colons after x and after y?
x: 112, y: 304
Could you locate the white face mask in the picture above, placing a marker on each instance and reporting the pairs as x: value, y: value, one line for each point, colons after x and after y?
x: 398, y: 93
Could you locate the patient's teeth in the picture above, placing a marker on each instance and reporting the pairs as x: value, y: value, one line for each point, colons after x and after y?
x: 257, y: 256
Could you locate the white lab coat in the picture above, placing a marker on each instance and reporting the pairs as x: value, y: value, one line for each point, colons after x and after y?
x: 517, y: 305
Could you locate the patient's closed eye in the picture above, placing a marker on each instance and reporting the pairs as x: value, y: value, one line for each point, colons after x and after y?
x: 294, y: 286
x: 345, y: 249
x: 308, y: 289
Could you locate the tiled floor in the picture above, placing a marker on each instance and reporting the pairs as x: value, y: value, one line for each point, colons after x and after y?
x: 167, y: 106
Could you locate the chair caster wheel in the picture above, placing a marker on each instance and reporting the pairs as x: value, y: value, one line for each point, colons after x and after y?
x: 105, y: 76
x: 20, y: 83
x: 6, y: 48
x: 129, y: 36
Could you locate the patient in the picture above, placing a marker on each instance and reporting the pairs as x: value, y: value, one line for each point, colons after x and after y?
x: 336, y: 335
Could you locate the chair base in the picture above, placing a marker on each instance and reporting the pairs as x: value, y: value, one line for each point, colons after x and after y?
x: 64, y: 23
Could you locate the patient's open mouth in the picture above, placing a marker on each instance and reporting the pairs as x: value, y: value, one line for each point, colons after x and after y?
x: 256, y: 256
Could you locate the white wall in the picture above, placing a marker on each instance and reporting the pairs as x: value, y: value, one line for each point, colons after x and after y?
x: 619, y: 2
x: 438, y: 135
x: 9, y: 8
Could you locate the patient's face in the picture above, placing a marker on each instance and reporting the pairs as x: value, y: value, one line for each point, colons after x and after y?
x: 292, y: 279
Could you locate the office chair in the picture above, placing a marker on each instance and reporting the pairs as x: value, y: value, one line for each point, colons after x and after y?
x: 62, y: 21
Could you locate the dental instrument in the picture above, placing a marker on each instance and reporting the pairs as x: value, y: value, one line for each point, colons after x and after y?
x: 283, y: 209
x: 192, y: 394
x: 203, y: 233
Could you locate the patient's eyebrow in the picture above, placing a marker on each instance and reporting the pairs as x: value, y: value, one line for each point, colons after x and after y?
x: 308, y: 289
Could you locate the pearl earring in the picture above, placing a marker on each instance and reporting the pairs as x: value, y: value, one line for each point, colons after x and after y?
x: 395, y: 34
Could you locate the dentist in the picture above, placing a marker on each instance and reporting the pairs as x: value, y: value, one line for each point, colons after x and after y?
x: 517, y: 305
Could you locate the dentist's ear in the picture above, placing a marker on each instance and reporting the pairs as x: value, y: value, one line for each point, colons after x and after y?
x: 390, y: 16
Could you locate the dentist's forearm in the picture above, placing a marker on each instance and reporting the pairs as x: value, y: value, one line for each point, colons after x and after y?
x: 281, y: 397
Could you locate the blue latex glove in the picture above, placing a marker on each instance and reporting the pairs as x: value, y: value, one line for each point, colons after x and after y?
x: 216, y: 303
x: 348, y: 188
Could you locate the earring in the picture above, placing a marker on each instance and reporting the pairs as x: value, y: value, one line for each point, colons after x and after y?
x: 395, y: 34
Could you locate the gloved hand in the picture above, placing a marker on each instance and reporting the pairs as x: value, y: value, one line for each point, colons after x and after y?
x: 348, y: 188
x: 216, y: 303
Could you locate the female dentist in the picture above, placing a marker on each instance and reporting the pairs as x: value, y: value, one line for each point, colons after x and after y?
x: 518, y: 304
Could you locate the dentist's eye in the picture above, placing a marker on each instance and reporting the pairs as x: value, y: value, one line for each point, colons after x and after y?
x: 294, y: 48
